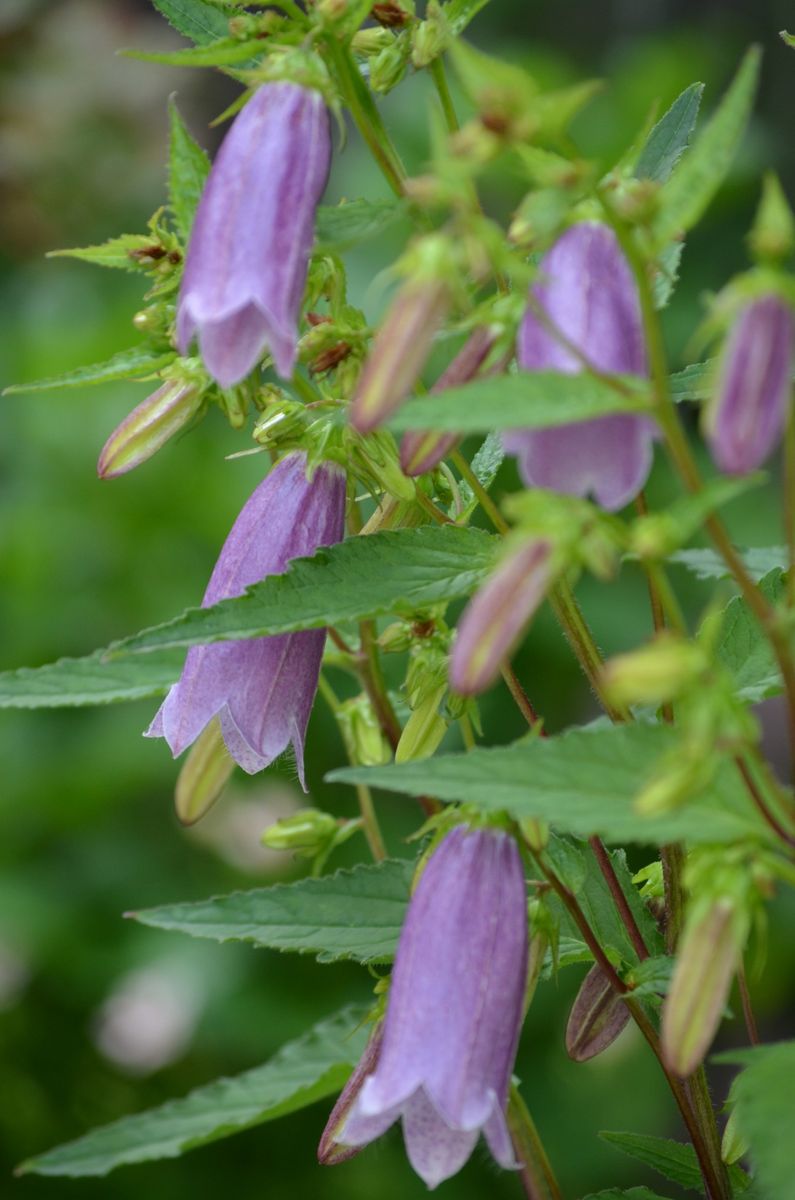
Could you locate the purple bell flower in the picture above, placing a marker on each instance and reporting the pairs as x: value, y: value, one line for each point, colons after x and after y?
x: 247, y: 259
x: 262, y: 689
x: 749, y: 411
x: 587, y: 292
x: 454, y: 1010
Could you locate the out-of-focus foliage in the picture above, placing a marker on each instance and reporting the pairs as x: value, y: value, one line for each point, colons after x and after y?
x: 99, y: 1018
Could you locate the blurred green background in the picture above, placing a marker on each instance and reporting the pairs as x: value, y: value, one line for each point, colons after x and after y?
x: 100, y: 1017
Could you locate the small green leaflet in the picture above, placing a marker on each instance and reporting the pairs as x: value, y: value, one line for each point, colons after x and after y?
x: 73, y: 682
x: 787, y: 38
x: 136, y: 363
x: 188, y: 167
x: 635, y: 1193
x: 694, y: 382
x: 670, y: 137
x: 695, y: 181
x: 396, y: 571
x: 221, y: 53
x: 652, y: 977
x: 485, y: 465
x: 708, y: 564
x: 460, y: 12
x: 674, y: 1160
x: 340, y: 226
x: 745, y: 650
x: 355, y: 914
x: 308, y: 1069
x: 118, y: 252
x: 584, y: 782
x: 196, y: 19
x: 763, y: 1111
x: 528, y: 399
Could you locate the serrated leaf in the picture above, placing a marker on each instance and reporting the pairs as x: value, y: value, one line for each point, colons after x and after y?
x: 694, y: 382
x: 188, y: 168
x: 74, y: 682
x: 303, y: 1071
x: 486, y: 463
x: 526, y: 400
x: 695, y: 181
x: 743, y: 647
x: 652, y: 977
x: 118, y: 253
x: 340, y: 226
x: 670, y: 137
x: 135, y: 363
x: 674, y: 1160
x: 196, y: 19
x: 584, y: 782
x: 763, y: 1107
x: 787, y: 38
x: 355, y: 914
x: 460, y: 12
x: 397, y: 571
x: 667, y: 276
x: 221, y: 53
x: 708, y: 564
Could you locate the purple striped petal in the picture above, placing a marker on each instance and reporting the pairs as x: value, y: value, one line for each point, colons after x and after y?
x: 247, y: 259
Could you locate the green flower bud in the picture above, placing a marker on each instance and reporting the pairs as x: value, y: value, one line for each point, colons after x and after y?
x: 388, y: 68
x: 431, y: 37
x: 309, y: 830
x: 773, y: 234
x: 203, y: 775
x: 424, y: 729
x: 655, y: 673
x: 282, y: 419
x: 368, y: 746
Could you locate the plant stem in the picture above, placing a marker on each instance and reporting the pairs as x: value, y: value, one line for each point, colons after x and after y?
x: 483, y: 498
x: 368, y: 121
x: 748, y: 1012
x: 761, y: 803
x: 538, y: 1178
x: 619, y: 899
x: 374, y: 684
x: 521, y: 698
x: 439, y: 77
x: 570, y: 617
x: 789, y: 504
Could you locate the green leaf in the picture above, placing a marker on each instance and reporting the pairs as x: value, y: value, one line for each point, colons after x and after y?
x: 188, y: 167
x: 708, y: 564
x: 305, y: 1070
x: 73, y: 682
x: 196, y: 19
x: 485, y: 464
x: 745, y: 650
x: 787, y: 38
x: 135, y: 363
x: 221, y: 53
x: 763, y: 1100
x: 584, y: 782
x: 397, y: 571
x: 460, y: 12
x: 528, y: 399
x: 670, y: 137
x: 674, y: 1160
x: 355, y: 914
x: 341, y: 226
x: 695, y: 181
x: 118, y: 253
x: 652, y: 977
x: 635, y: 1193
x: 694, y: 382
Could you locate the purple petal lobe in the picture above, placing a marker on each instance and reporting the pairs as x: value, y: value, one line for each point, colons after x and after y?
x: 585, y: 304
x: 247, y: 259
x: 434, y: 1150
x: 261, y: 688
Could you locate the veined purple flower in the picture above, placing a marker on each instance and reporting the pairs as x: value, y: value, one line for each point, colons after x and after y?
x: 454, y: 1010
x: 493, y: 620
x: 588, y: 294
x: 749, y: 411
x: 262, y: 689
x: 247, y: 259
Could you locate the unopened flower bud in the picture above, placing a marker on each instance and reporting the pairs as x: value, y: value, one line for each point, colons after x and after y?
x: 404, y: 340
x: 705, y: 964
x: 655, y: 673
x: 308, y: 830
x: 674, y: 783
x: 363, y: 733
x: 203, y: 775
x: 746, y: 417
x: 424, y: 729
x: 389, y: 66
x: 149, y: 427
x: 496, y: 615
x: 597, y: 1017
x: 281, y: 420
x: 331, y: 1150
x: 773, y: 234
x: 395, y: 639
x: 430, y: 37
x: 371, y: 41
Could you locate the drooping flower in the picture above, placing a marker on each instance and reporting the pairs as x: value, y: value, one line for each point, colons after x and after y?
x: 496, y: 615
x: 261, y: 689
x: 587, y: 293
x: 247, y: 259
x: 749, y: 411
x: 454, y: 1010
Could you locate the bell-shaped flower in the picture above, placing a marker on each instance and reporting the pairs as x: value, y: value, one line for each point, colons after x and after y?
x: 454, y: 1009
x: 247, y: 259
x: 747, y: 416
x: 591, y: 311
x: 261, y: 689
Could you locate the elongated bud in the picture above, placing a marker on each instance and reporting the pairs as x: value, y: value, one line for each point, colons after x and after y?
x: 424, y: 729
x: 363, y: 732
x: 389, y: 66
x: 203, y: 776
x: 747, y: 415
x: 404, y: 340
x: 597, y: 1017
x: 773, y: 234
x: 149, y: 427
x: 496, y: 615
x: 655, y: 673
x: 307, y: 830
x: 331, y: 1150
x: 674, y: 783
x: 705, y: 964
x: 421, y: 451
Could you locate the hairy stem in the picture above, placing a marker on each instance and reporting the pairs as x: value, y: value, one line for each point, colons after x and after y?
x: 372, y: 830
x: 538, y: 1178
